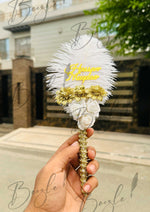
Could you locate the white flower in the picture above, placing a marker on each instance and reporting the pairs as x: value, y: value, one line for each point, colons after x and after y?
x: 85, y: 112
x: 93, y: 107
x: 77, y: 109
x: 86, y: 121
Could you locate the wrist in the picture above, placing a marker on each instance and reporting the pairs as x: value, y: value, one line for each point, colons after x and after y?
x: 31, y: 208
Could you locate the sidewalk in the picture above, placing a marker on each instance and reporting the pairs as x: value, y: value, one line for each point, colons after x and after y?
x: 5, y: 128
x: 124, y: 174
x: 124, y: 147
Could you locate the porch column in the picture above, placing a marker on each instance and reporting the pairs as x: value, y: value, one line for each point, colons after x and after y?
x: 21, y: 87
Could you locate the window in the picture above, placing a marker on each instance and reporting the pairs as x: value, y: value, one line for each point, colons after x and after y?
x: 25, y: 8
x: 22, y: 47
x: 4, y: 49
x: 62, y: 3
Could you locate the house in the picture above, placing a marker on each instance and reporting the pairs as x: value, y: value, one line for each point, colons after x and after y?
x: 37, y: 28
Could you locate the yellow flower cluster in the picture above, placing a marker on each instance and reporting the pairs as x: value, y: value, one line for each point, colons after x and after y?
x: 80, y: 93
x: 66, y: 95
x: 96, y: 92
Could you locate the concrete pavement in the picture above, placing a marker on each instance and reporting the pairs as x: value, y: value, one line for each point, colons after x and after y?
x: 124, y: 176
x: 123, y: 147
x: 5, y: 128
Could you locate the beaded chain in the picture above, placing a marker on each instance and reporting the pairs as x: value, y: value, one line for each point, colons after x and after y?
x: 83, y: 157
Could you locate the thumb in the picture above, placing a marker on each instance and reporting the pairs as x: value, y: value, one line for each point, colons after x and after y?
x: 66, y: 155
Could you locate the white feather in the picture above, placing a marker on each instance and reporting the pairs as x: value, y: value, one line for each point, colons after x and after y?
x: 93, y: 54
x: 89, y: 56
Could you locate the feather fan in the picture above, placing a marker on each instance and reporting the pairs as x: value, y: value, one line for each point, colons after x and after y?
x: 81, y: 79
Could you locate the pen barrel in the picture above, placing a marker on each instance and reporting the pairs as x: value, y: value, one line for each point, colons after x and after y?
x: 83, y: 158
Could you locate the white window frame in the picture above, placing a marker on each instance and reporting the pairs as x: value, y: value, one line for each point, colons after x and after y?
x: 4, y: 55
x: 23, y: 46
x: 25, y: 8
x: 60, y: 4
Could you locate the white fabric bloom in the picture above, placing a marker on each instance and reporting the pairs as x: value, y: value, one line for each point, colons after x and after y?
x: 93, y: 107
x: 77, y: 109
x: 86, y: 121
x: 85, y: 112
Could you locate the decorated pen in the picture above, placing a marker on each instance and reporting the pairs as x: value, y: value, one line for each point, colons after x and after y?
x: 83, y: 74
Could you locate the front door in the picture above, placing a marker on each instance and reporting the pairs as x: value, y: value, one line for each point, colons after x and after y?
x: 144, y: 97
x: 5, y: 97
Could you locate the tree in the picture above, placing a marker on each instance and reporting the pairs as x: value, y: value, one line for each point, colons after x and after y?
x: 127, y: 20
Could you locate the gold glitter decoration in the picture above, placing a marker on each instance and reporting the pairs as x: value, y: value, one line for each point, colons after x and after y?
x: 66, y: 95
x: 80, y: 93
x: 83, y: 158
x: 96, y: 92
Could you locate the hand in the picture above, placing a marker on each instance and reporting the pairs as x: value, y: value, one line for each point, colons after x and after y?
x: 57, y: 186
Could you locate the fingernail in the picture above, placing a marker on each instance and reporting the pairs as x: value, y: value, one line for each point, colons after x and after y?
x: 93, y: 153
x: 92, y: 168
x: 86, y: 188
x: 75, y: 143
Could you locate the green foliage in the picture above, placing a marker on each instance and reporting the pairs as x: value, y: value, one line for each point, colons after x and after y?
x: 128, y: 20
